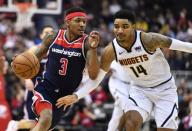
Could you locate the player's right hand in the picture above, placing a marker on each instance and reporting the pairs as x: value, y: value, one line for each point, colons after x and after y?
x: 14, y: 57
x: 66, y: 101
x: 94, y: 39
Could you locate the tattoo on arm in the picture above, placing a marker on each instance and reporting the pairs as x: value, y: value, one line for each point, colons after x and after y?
x: 43, y: 48
x: 153, y: 40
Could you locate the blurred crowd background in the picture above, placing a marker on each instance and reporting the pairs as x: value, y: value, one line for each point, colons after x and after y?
x: 172, y: 18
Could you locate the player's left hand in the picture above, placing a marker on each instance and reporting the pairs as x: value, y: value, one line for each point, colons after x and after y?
x: 94, y: 39
x: 66, y: 101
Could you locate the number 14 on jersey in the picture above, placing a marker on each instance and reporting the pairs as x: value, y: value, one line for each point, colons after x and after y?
x: 138, y: 70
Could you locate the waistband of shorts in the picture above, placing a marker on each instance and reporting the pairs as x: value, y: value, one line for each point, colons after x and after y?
x: 162, y: 82
x: 155, y: 85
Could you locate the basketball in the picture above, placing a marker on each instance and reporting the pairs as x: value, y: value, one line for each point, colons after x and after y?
x: 25, y: 65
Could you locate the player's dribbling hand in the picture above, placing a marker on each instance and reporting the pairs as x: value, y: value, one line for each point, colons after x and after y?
x: 13, y: 58
x: 94, y: 39
x: 66, y: 101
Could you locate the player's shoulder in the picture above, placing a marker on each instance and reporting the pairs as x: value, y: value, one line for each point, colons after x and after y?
x: 147, y: 39
x: 109, y: 49
x: 109, y: 45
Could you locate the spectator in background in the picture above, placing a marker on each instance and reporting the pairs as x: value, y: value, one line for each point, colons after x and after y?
x: 189, y: 30
x: 99, y: 96
x: 2, y: 3
x: 186, y: 122
x: 142, y: 24
x: 132, y: 4
x: 114, y: 7
x: 182, y: 23
x: 5, y: 114
x: 185, y: 96
x: 83, y: 115
x: 105, y: 14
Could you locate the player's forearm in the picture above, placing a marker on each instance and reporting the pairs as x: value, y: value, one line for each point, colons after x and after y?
x: 42, y: 49
x: 90, y: 85
x: 93, y: 64
x: 38, y: 51
x: 181, y: 46
x: 41, y: 52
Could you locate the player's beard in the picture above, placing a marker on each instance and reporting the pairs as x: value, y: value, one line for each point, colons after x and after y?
x: 120, y: 38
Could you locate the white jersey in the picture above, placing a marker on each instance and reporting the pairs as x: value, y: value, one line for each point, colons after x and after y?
x: 144, y: 68
x: 119, y: 87
x: 119, y: 73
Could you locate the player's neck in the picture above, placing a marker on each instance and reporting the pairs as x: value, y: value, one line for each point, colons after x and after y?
x: 128, y: 43
x: 70, y: 36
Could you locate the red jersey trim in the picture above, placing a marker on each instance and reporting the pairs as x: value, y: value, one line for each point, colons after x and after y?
x: 63, y: 42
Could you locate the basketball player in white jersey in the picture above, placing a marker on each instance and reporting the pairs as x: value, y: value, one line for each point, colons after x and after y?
x: 153, y: 87
x: 119, y: 86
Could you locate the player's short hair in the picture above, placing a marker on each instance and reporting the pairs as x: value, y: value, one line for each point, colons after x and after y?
x: 125, y: 14
x: 74, y: 9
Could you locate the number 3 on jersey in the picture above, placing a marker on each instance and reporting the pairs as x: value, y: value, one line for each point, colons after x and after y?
x: 64, y: 63
x: 139, y: 69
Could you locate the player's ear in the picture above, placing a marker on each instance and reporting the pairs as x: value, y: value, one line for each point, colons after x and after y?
x: 66, y: 23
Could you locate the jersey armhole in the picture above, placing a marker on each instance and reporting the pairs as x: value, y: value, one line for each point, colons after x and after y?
x: 114, y: 51
x: 55, y: 39
x: 84, y: 49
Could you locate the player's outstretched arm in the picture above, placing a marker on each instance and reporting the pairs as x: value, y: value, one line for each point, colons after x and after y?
x: 41, y: 50
x: 106, y: 59
x: 152, y: 41
x: 92, y: 62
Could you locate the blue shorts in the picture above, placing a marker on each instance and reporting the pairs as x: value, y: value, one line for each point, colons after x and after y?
x: 47, y: 94
x: 29, y: 114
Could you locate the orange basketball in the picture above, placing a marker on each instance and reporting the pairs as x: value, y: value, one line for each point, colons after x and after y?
x: 25, y: 65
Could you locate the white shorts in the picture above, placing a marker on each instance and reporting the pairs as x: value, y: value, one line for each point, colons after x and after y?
x: 119, y: 90
x: 162, y: 100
